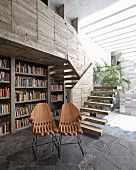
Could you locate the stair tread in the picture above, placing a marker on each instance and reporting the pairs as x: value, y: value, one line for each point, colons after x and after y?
x: 92, y: 128
x: 106, y: 87
x: 71, y: 78
x: 98, y: 104
x: 95, y: 119
x: 70, y: 83
x: 69, y: 73
x: 104, y: 92
x: 101, y: 97
x: 99, y: 111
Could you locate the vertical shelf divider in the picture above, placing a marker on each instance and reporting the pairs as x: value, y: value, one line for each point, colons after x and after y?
x: 49, y: 85
x: 12, y: 95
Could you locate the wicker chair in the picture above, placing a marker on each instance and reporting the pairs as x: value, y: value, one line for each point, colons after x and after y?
x: 43, y: 124
x: 69, y: 124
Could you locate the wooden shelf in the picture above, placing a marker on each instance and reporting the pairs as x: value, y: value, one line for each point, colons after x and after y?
x: 3, y: 68
x: 1, y: 98
x: 4, y: 114
x: 29, y: 101
x: 27, y: 74
x: 4, y: 81
x: 23, y: 128
x: 31, y: 87
x: 52, y: 91
x: 22, y: 116
x: 57, y: 101
x: 5, y: 134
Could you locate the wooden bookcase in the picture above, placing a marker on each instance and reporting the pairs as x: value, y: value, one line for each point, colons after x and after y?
x: 30, y: 88
x: 57, y: 97
x: 25, y: 84
x: 5, y: 111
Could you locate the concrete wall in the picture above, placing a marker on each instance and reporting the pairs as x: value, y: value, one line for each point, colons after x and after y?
x: 128, y: 100
x: 79, y: 94
x: 95, y: 52
x: 35, y: 24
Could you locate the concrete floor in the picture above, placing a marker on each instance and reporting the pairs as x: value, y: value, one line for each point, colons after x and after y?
x: 124, y: 122
x: 121, y: 126
x: 106, y: 153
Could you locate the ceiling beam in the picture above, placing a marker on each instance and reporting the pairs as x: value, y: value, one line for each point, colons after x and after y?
x: 61, y: 11
x: 118, y: 29
x: 121, y: 47
x: 104, y: 18
x: 115, y: 36
x: 102, y: 43
x: 117, y: 44
x: 109, y: 25
x: 74, y: 23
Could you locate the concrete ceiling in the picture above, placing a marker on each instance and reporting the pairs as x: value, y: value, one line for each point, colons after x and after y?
x: 82, y: 8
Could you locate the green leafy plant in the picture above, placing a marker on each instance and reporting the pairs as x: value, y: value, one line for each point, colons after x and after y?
x: 110, y: 76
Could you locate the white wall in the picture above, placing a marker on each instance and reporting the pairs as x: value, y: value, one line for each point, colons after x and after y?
x: 94, y: 51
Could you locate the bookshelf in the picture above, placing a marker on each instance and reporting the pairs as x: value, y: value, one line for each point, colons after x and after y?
x: 31, y: 83
x: 22, y: 86
x: 5, y: 111
x: 56, y: 97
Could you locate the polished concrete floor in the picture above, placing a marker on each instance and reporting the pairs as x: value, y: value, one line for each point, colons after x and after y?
x: 106, y: 153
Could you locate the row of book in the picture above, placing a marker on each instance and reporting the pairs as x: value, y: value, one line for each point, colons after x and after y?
x: 20, y: 111
x: 5, y: 92
x: 27, y: 95
x: 55, y: 87
x: 4, y: 108
x: 4, y: 127
x: 4, y: 76
x: 4, y: 63
x: 29, y: 82
x: 21, y: 123
x: 25, y: 68
x: 58, y: 97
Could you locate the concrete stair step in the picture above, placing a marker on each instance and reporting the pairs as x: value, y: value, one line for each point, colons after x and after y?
x: 94, y: 119
x: 92, y: 129
x: 106, y: 87
x: 97, y: 111
x: 69, y: 73
x: 98, y: 104
x: 70, y: 78
x: 103, y: 92
x: 101, y: 98
x: 71, y: 83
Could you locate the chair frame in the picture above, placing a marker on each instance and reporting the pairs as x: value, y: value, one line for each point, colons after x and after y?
x: 35, y: 145
x: 64, y: 123
x: 43, y: 125
x: 78, y: 142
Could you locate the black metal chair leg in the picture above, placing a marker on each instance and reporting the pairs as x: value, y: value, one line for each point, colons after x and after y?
x: 80, y: 144
x: 53, y: 144
x: 60, y: 141
x: 56, y: 145
x: 34, y: 142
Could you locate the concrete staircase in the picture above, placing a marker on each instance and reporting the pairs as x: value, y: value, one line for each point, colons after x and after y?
x: 65, y: 72
x: 99, y: 104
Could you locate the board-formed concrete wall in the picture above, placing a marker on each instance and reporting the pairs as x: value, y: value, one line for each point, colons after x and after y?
x: 32, y: 22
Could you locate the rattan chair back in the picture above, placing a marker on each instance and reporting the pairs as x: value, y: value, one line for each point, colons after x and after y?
x: 69, y: 123
x: 43, y: 122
